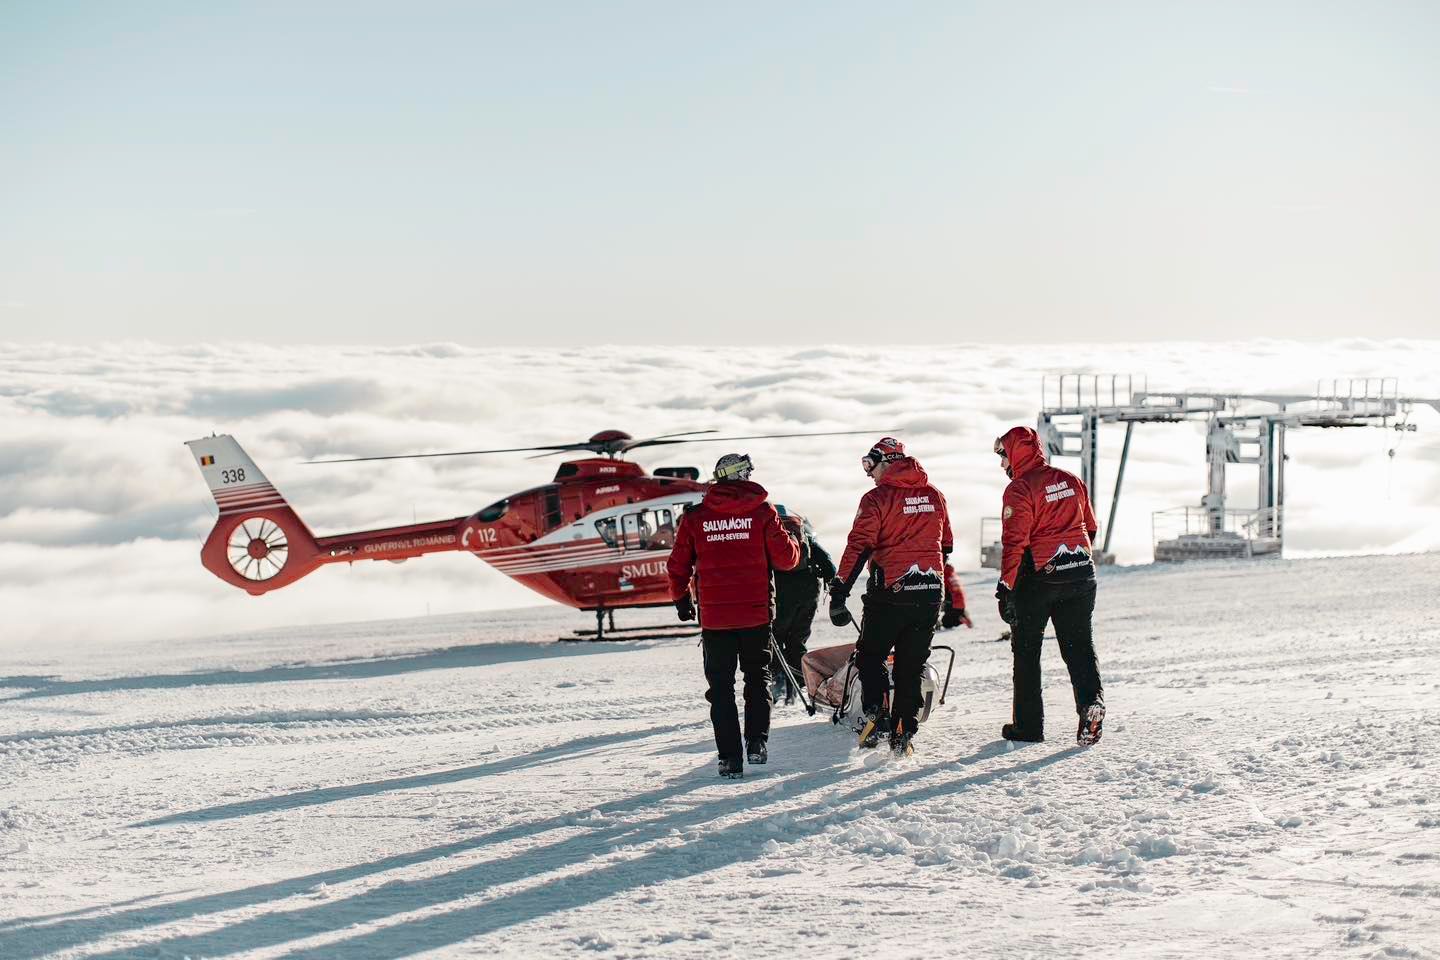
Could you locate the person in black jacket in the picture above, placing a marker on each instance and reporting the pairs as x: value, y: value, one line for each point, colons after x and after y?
x: 797, y: 597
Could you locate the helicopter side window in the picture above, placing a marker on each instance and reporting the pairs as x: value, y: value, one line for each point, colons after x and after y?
x: 648, y: 530
x: 608, y: 530
x: 553, y: 515
x: 664, y: 536
x: 493, y: 512
x: 632, y: 534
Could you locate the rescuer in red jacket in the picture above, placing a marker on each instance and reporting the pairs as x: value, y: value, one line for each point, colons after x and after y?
x: 902, y: 530
x: 1047, y: 573
x: 729, y: 543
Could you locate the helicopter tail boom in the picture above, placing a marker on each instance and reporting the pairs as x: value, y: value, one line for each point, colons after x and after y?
x: 259, y: 543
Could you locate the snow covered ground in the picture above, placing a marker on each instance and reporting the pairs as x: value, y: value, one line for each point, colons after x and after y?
x: 462, y: 786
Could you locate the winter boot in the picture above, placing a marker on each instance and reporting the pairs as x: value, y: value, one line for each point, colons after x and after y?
x: 876, y: 725
x: 731, y: 768
x: 1090, y: 722
x: 901, y: 741
x: 756, y: 751
x: 1012, y: 732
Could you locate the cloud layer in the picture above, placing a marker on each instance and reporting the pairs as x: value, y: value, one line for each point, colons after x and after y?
x: 102, y: 511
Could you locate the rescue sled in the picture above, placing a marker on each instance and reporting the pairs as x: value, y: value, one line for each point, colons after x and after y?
x: 832, y: 679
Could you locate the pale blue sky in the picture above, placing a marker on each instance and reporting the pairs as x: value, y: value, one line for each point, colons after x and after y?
x: 736, y: 173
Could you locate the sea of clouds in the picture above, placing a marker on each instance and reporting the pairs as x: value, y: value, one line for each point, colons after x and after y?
x: 102, y: 509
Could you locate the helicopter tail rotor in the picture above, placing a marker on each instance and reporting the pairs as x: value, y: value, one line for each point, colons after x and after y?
x: 258, y: 543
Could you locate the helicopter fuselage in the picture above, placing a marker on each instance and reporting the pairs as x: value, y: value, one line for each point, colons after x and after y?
x: 595, y: 538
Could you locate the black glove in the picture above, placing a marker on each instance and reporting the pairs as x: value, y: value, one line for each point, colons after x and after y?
x: 685, y: 608
x: 1006, y: 603
x: 951, y: 618
x: 839, y: 591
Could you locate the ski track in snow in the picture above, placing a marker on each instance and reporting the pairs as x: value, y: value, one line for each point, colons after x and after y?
x: 1266, y: 787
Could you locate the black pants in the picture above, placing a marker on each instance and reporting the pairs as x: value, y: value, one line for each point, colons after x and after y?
x: 1070, y: 606
x: 795, y: 606
x: 906, y: 629
x: 750, y: 648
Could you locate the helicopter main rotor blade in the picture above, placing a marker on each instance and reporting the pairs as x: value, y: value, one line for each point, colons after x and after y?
x: 667, y: 436
x: 761, y: 436
x: 688, y: 436
x: 559, y: 448
x: 613, y: 450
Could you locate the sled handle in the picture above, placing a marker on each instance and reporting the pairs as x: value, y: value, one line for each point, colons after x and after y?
x: 790, y: 675
x: 951, y: 666
x: 844, y: 706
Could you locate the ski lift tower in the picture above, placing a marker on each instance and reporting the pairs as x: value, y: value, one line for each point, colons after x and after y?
x: 1244, y: 434
x: 1213, y: 530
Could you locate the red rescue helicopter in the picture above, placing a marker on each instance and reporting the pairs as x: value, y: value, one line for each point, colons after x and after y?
x: 595, y: 538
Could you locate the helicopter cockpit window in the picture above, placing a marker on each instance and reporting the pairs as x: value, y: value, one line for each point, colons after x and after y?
x: 606, y: 527
x: 493, y: 512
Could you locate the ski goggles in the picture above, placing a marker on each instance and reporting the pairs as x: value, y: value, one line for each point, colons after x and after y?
x: 870, y: 461
x: 874, y: 458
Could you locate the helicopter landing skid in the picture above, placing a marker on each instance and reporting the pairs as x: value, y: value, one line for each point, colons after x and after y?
x: 616, y: 634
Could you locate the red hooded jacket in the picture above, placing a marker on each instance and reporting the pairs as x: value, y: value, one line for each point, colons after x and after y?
x: 728, y: 544
x: 903, y: 529
x: 1047, y: 512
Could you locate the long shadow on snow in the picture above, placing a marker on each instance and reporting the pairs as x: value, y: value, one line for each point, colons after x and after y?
x: 41, y: 940
x: 349, y: 791
x: 445, y: 658
x: 717, y: 849
x: 723, y: 848
x: 78, y: 912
